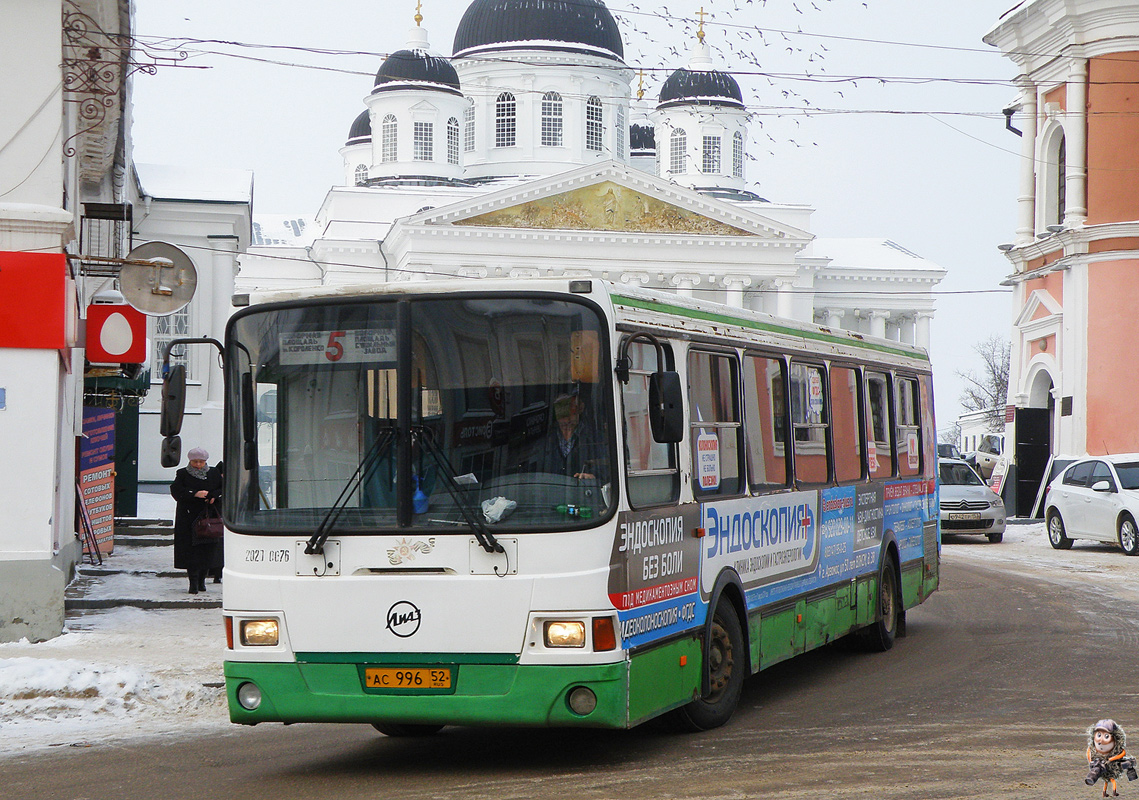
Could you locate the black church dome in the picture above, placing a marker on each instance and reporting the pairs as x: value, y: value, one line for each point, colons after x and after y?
x: 700, y: 87
x: 361, y: 130
x: 417, y: 69
x: 642, y: 138
x: 574, y: 25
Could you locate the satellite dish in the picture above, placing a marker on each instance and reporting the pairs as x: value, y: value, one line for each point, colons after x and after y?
x: 158, y: 279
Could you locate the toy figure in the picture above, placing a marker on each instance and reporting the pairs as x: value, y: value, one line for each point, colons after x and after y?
x: 1107, y: 757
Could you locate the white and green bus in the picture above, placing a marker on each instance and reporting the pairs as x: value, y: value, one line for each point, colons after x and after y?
x: 556, y: 502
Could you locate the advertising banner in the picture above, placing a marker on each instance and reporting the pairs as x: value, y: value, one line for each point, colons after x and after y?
x: 97, y: 474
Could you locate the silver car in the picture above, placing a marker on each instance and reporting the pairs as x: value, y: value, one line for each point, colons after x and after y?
x: 1095, y: 498
x: 968, y: 505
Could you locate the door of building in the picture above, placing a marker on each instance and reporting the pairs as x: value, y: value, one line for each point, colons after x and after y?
x: 1033, y: 447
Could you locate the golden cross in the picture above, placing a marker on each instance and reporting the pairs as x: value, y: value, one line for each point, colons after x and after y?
x: 418, y: 9
x: 700, y: 31
x: 640, y: 84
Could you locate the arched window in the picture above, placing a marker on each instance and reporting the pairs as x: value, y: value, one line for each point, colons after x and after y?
x: 423, y: 143
x: 711, y: 160
x: 469, y: 127
x: 622, y: 132
x: 1061, y: 181
x: 452, y: 141
x: 551, y: 119
x: 361, y: 174
x: 593, y: 123
x: 388, y: 139
x: 677, y: 144
x: 738, y: 155
x: 504, y: 120
x: 1052, y: 188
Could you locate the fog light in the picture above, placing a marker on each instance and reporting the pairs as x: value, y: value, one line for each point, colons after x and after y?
x: 565, y: 634
x: 259, y: 633
x: 249, y: 696
x: 582, y: 701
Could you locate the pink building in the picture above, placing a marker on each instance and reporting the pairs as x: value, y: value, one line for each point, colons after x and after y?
x: 1075, y: 256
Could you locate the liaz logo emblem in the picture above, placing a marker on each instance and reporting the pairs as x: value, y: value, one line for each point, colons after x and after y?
x: 405, y: 550
x: 403, y: 619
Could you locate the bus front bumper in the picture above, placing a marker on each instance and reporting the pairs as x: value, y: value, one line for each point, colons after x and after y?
x: 484, y: 694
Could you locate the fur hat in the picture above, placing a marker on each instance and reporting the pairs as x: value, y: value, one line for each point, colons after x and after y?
x: 197, y: 454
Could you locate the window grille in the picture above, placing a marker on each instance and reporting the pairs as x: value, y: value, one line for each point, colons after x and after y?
x: 593, y: 124
x: 388, y: 132
x: 622, y: 132
x: 738, y: 155
x: 452, y: 141
x: 469, y: 127
x: 167, y: 328
x: 678, y: 143
x: 361, y: 174
x: 423, y: 145
x: 504, y: 121
x: 551, y: 119
x: 711, y: 162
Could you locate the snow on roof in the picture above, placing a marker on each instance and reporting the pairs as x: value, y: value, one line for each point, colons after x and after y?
x: 210, y: 184
x: 869, y: 254
x: 283, y: 230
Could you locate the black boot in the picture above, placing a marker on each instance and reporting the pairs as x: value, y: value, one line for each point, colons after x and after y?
x: 201, y: 581
x: 193, y: 581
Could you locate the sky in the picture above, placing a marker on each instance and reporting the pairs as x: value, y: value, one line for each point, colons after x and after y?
x: 883, y: 115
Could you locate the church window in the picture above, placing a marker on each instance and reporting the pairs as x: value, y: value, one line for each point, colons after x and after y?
x: 551, y: 119
x: 469, y: 127
x: 677, y: 144
x: 504, y: 121
x: 622, y: 132
x: 452, y: 141
x: 423, y: 142
x: 593, y: 123
x: 388, y: 139
x: 1061, y: 182
x: 738, y: 155
x: 361, y: 174
x: 711, y: 161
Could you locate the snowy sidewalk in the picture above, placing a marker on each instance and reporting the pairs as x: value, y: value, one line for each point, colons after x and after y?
x: 143, y: 666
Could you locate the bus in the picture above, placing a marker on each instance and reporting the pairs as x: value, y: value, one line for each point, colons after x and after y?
x: 555, y: 502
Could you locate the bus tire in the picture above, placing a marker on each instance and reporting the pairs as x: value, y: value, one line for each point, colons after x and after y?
x: 406, y: 729
x: 880, y: 636
x: 725, y: 662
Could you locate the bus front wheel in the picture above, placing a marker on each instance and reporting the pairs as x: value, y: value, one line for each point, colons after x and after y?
x: 724, y: 663
x: 405, y: 729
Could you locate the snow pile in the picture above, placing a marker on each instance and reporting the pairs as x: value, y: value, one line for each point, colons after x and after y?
x: 118, y: 673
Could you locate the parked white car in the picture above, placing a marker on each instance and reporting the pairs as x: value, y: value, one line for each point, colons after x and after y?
x: 968, y: 505
x: 1095, y: 498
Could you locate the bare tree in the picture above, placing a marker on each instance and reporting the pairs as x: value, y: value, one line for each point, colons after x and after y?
x: 988, y: 389
x: 952, y: 434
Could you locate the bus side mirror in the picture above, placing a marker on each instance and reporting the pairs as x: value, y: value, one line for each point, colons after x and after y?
x: 173, y: 402
x: 666, y: 407
x: 248, y: 422
x: 171, y: 451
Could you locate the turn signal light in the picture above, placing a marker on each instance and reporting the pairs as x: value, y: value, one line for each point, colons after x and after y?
x: 604, y: 637
x: 228, y: 633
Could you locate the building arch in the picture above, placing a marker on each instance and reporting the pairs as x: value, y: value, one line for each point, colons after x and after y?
x: 1053, y: 185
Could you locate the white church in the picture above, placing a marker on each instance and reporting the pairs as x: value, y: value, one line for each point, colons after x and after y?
x: 526, y: 153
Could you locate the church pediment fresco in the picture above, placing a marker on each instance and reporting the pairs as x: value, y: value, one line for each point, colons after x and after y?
x: 604, y: 206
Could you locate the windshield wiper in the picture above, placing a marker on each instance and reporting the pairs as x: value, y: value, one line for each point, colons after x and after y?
x: 482, y: 533
x: 379, y: 449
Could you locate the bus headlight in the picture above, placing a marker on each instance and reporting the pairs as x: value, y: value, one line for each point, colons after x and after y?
x: 259, y: 633
x: 565, y: 634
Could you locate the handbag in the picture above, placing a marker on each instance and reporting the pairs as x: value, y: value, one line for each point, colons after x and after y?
x: 208, y: 525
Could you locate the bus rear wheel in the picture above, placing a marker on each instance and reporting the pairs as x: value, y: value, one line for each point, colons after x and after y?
x: 405, y: 729
x: 881, y: 635
x: 724, y: 662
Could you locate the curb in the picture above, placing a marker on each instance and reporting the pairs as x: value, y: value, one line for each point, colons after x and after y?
x: 82, y: 604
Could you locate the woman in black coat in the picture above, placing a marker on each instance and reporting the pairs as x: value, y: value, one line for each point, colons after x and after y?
x: 196, y: 487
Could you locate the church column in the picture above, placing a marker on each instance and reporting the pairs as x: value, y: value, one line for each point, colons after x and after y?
x: 878, y: 323
x: 907, y: 330
x: 834, y: 318
x: 224, y: 269
x: 1026, y: 201
x: 1075, y: 143
x: 921, y: 329
x: 735, y: 285
x: 785, y: 300
x: 685, y: 282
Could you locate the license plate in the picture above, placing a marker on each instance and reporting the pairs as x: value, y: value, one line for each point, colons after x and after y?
x: 965, y: 516
x: 407, y: 678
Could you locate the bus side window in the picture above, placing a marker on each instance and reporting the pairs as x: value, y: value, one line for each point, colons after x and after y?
x: 653, y: 476
x: 879, y: 446
x: 846, y: 389
x: 928, y: 433
x: 809, y: 423
x: 909, y: 431
x: 714, y: 416
x: 765, y: 413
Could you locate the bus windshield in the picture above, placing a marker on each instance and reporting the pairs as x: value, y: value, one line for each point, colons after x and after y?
x: 417, y: 413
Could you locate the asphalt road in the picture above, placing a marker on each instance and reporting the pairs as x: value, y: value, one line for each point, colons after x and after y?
x: 988, y: 695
